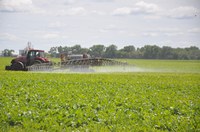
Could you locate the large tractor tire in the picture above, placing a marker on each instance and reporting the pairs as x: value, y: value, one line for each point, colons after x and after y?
x: 8, y: 68
x: 17, y: 66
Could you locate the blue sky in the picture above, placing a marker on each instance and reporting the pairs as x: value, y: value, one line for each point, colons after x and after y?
x: 47, y: 23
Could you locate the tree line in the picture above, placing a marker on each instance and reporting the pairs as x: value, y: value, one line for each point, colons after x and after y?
x: 130, y: 52
x: 7, y: 52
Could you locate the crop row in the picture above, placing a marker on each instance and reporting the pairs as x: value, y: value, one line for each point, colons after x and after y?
x: 99, y: 102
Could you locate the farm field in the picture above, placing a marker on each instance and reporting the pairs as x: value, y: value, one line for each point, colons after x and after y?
x: 163, y: 97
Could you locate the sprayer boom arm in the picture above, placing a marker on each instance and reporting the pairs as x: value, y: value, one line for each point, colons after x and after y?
x: 93, y: 62
x: 77, y: 63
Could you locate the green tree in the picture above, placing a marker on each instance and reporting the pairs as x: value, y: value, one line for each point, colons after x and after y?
x: 111, y: 51
x: 166, y: 53
x: 151, y: 51
x: 8, y: 52
x: 129, y: 48
x: 84, y: 50
x: 60, y: 49
x: 181, y: 54
x: 97, y: 50
x: 67, y: 49
x: 53, y: 52
x: 76, y: 49
x: 127, y: 52
x: 193, y: 52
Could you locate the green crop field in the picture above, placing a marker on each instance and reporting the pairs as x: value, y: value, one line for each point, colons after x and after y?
x: 165, y: 97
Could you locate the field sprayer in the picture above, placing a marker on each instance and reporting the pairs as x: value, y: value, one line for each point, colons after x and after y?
x: 34, y: 60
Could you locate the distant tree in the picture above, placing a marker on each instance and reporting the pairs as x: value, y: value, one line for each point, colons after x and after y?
x: 76, y: 49
x: 60, y: 49
x: 121, y: 54
x: 67, y: 49
x: 193, y: 52
x: 138, y: 54
x: 180, y: 54
x: 111, y: 51
x: 127, y: 52
x: 84, y: 50
x: 129, y: 48
x: 7, y: 52
x: 97, y: 50
x: 166, y: 53
x: 150, y: 51
x: 53, y: 52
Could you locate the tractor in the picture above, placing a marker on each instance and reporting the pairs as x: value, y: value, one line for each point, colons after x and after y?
x: 32, y: 57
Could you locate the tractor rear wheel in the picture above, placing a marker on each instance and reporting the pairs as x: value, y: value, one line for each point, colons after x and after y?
x: 18, y: 66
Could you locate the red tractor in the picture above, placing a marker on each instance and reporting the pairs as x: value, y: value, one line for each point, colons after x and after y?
x: 32, y: 57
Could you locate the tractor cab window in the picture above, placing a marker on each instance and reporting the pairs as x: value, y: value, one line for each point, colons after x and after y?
x: 40, y: 54
x: 31, y: 54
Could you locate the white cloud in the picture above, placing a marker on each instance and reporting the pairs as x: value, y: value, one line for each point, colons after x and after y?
x: 98, y: 12
x: 70, y: 1
x: 76, y: 11
x: 19, y: 6
x: 72, y: 11
x: 169, y: 32
x: 102, y: 0
x: 7, y: 36
x: 139, y: 8
x: 174, y: 33
x: 183, y: 12
x: 51, y: 36
x: 56, y: 24
x: 150, y: 34
x: 168, y: 29
x: 111, y: 28
x: 145, y: 8
x: 194, y: 30
x: 15, y: 5
x: 54, y: 35
x: 153, y: 11
x: 123, y: 11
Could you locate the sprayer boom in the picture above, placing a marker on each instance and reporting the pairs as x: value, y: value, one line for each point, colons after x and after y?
x: 84, y: 63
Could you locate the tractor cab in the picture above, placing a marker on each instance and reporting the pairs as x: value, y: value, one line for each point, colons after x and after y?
x: 35, y: 57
